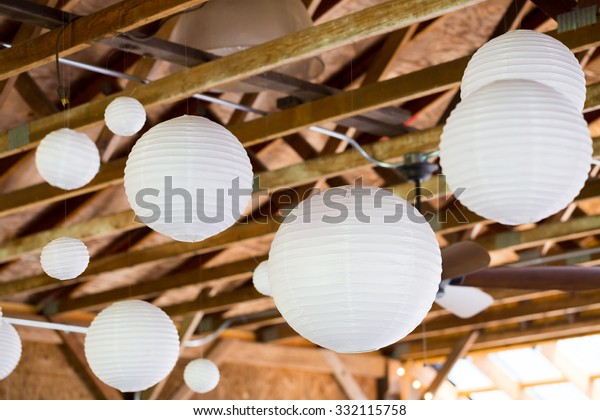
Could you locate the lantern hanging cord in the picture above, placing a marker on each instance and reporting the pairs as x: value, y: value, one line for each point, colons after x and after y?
x: 62, y: 91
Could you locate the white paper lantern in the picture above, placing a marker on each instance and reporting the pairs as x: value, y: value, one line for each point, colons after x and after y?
x: 67, y: 159
x: 125, y: 116
x: 180, y: 178
x: 65, y: 258
x: 10, y: 348
x: 201, y: 375
x: 515, y: 152
x: 353, y: 284
x: 260, y: 278
x: 225, y: 27
x: 132, y: 345
x: 529, y: 55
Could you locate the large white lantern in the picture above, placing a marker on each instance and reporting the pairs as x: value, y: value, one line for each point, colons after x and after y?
x: 201, y: 375
x: 125, y: 116
x: 354, y: 269
x: 188, y: 178
x: 224, y: 27
x: 515, y: 152
x: 65, y: 258
x: 132, y: 345
x: 529, y: 55
x: 260, y: 279
x: 10, y: 348
x: 67, y: 159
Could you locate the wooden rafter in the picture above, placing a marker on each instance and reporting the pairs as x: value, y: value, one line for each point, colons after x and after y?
x: 375, y: 20
x: 121, y: 17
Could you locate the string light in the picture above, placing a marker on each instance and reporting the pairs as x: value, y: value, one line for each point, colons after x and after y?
x: 401, y: 371
x: 416, y: 384
x: 428, y: 396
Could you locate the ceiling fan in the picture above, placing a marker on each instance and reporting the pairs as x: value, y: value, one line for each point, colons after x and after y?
x: 465, y: 269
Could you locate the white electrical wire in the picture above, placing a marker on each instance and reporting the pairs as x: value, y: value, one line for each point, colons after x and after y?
x: 46, y: 325
x: 83, y: 330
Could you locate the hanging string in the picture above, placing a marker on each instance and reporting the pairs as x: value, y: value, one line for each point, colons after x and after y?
x: 61, y: 90
x: 418, y: 205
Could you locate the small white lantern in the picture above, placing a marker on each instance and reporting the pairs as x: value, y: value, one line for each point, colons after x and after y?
x: 354, y: 269
x: 516, y: 152
x: 10, y: 348
x: 260, y: 278
x: 125, y: 116
x: 528, y: 55
x: 188, y: 178
x: 132, y: 345
x: 201, y: 376
x: 67, y: 159
x: 65, y: 258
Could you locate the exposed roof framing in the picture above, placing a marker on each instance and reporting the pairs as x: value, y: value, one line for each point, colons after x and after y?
x: 394, y: 70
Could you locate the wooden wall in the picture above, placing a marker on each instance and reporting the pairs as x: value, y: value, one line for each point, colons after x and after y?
x: 44, y: 373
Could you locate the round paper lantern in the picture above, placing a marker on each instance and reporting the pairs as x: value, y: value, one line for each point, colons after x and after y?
x: 10, y: 348
x: 515, y: 152
x: 67, y: 159
x: 260, y: 278
x: 188, y: 178
x: 125, y: 116
x: 65, y: 258
x: 529, y: 55
x: 201, y: 375
x: 224, y: 27
x: 132, y: 345
x: 354, y: 269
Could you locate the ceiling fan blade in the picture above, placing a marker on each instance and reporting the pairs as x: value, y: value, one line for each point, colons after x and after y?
x: 462, y: 258
x: 536, y: 278
x: 464, y: 302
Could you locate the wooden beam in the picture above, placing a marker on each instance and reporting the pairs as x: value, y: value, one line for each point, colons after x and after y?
x: 121, y: 17
x: 511, y: 314
x: 569, y: 370
x: 372, y: 21
x: 218, y: 303
x: 459, y: 351
x: 126, y: 259
x: 500, y: 378
x: 343, y: 377
x: 232, y: 271
x: 513, y: 336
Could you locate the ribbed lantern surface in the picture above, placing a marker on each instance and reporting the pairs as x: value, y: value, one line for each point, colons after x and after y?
x: 515, y: 152
x: 132, y: 345
x: 201, y: 375
x: 528, y: 55
x: 181, y: 178
x: 10, y: 348
x: 65, y: 258
x: 260, y: 278
x: 125, y: 116
x: 354, y: 284
x: 67, y: 159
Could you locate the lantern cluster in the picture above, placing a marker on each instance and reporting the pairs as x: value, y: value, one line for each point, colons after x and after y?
x: 517, y: 149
